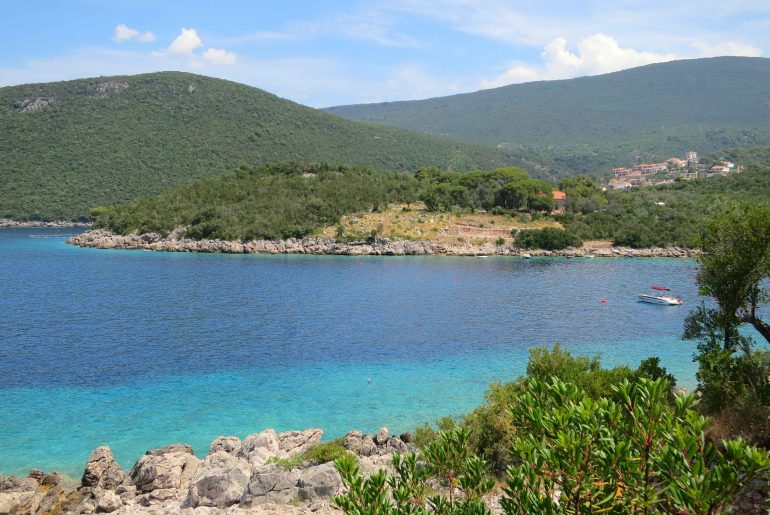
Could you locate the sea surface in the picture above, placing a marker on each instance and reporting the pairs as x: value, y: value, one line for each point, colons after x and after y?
x: 137, y: 349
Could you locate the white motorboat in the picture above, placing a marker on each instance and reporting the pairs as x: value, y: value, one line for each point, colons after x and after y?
x: 661, y: 297
x: 526, y: 256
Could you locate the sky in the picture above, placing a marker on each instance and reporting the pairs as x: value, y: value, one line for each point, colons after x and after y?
x: 322, y: 53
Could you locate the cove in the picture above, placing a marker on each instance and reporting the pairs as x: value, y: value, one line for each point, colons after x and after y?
x: 139, y: 349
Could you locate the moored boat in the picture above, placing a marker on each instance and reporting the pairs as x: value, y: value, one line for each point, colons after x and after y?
x: 661, y: 297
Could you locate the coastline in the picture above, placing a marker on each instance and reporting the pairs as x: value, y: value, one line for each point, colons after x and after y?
x: 104, y: 239
x: 5, y: 223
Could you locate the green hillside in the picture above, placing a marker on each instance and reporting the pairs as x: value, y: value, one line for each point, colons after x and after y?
x: 68, y: 146
x: 591, y: 124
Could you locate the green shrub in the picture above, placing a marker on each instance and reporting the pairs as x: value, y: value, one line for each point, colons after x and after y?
x: 425, y: 434
x: 448, y: 461
x: 325, y: 452
x: 548, y: 238
x: 633, y: 452
x: 317, y: 454
x: 576, y: 454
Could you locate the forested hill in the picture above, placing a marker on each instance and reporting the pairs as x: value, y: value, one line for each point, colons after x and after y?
x: 591, y: 124
x: 66, y: 147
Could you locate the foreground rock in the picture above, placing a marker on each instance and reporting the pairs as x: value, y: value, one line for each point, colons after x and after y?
x: 249, y: 477
x: 164, y: 474
x: 103, y: 239
x: 38, y: 493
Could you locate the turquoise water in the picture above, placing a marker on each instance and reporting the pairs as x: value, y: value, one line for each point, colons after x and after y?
x: 138, y: 349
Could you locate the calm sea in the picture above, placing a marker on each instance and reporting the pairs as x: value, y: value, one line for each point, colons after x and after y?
x: 138, y: 349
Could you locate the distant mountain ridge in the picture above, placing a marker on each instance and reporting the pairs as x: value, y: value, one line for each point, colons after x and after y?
x: 584, y: 124
x: 66, y: 147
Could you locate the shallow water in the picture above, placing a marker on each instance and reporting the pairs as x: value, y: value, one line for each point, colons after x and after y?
x: 138, y: 349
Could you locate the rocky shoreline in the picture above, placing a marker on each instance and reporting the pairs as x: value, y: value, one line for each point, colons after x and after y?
x: 259, y: 475
x: 237, y: 476
x: 14, y: 224
x: 103, y: 239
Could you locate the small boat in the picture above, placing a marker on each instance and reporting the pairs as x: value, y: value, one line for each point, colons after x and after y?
x: 526, y: 256
x: 661, y: 297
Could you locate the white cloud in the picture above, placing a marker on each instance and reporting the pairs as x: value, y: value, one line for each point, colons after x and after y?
x: 726, y: 48
x: 598, y: 53
x: 126, y: 33
x: 219, y: 56
x: 187, y: 41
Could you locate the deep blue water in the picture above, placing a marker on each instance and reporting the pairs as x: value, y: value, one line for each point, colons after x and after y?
x: 139, y: 349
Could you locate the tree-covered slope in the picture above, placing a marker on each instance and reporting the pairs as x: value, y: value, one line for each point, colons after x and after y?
x: 68, y: 146
x: 280, y: 200
x: 593, y: 123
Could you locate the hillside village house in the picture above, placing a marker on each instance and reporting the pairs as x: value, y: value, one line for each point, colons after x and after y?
x: 559, y: 200
x: 648, y: 168
x: 722, y: 168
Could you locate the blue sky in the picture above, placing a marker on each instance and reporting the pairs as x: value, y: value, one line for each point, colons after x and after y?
x: 323, y: 53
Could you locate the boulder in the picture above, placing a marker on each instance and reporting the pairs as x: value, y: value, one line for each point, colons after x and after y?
x: 107, y: 501
x: 127, y: 492
x: 102, y: 470
x: 220, y: 481
x: 395, y: 445
x: 270, y: 484
x: 382, y: 436
x: 14, y: 484
x: 353, y: 441
x: 406, y: 437
x: 228, y: 444
x: 319, y: 482
x: 159, y: 496
x: 368, y: 447
x: 52, y: 502
x: 167, y: 468
x: 16, y: 502
x: 294, y: 443
x: 258, y: 448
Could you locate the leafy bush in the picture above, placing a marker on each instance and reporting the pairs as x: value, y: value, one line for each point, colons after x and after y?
x: 425, y: 434
x: 490, y: 424
x: 448, y: 460
x: 317, y: 454
x: 325, y: 452
x: 633, y: 452
x: 548, y: 238
x: 576, y: 454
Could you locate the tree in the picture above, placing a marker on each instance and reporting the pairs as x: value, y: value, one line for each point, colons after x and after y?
x: 733, y: 265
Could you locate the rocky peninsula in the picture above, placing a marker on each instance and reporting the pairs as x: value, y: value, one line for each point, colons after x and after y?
x: 6, y: 223
x: 248, y: 476
x: 175, y: 242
